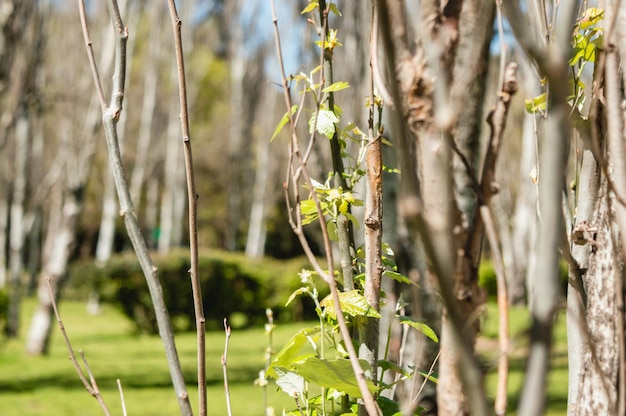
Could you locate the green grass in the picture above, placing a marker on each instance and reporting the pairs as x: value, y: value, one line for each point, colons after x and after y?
x: 519, y: 322
x: 34, y: 386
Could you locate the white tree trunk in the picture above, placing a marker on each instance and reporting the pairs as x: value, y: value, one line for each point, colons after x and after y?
x: 172, y: 156
x: 110, y: 212
x: 235, y: 143
x: 55, y: 269
x: 16, y: 243
x: 150, y: 89
x: 257, y: 231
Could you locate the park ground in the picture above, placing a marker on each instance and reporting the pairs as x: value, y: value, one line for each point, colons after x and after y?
x: 37, y: 386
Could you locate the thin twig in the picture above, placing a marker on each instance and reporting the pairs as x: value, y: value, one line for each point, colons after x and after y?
x: 119, y: 387
x: 431, y: 371
x: 192, y: 198
x: 91, y: 385
x: 92, y: 59
x: 225, y: 368
x: 379, y: 81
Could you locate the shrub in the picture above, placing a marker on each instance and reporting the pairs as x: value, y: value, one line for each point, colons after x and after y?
x: 4, y: 309
x: 488, y: 280
x: 232, y: 286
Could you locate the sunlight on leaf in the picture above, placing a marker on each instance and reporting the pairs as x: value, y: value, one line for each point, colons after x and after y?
x: 297, y: 349
x: 537, y: 104
x: 325, y: 124
x: 337, y: 374
x: 337, y: 86
x: 352, y: 303
x: 290, y: 382
x: 312, y: 6
x: 283, y: 121
x: 400, y: 278
x: 420, y: 326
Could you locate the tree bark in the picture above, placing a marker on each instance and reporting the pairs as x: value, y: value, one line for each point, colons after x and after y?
x: 594, y: 372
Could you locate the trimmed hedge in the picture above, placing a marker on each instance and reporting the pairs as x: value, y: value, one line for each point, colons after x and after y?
x: 233, y: 287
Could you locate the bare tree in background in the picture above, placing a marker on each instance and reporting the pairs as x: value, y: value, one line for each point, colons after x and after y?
x: 74, y: 163
x: 21, y: 53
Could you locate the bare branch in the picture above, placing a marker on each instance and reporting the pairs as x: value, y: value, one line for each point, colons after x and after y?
x: 192, y: 198
x: 119, y: 387
x: 90, y: 54
x: 91, y: 385
x: 225, y: 367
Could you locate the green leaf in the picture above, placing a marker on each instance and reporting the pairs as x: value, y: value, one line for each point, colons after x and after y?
x: 297, y: 293
x: 590, y: 17
x: 389, y: 407
x: 420, y: 326
x: 337, y: 86
x: 352, y: 303
x: 334, y: 9
x: 294, y: 350
x: 387, y: 250
x: 337, y: 374
x: 312, y: 6
x: 283, y: 121
x: 309, y: 211
x: 537, y: 104
x: 398, y: 277
x: 325, y: 123
x: 331, y: 228
x: 430, y: 377
x: 388, y: 365
x: 290, y: 382
x: 353, y: 220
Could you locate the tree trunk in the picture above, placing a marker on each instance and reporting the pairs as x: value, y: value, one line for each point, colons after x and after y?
x: 106, y: 235
x: 16, y: 263
x: 148, y: 107
x: 172, y: 165
x: 237, y: 127
x: 524, y: 217
x: 54, y: 271
x: 255, y: 243
x: 593, y: 354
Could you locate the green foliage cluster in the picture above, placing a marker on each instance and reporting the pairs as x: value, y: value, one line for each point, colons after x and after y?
x: 587, y: 39
x: 233, y: 287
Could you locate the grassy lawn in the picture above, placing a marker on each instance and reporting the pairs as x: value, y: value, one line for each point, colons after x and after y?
x: 33, y: 386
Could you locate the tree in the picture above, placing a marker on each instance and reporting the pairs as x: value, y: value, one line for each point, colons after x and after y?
x: 22, y: 53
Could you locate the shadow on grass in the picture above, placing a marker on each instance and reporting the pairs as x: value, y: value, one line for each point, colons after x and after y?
x: 133, y: 377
